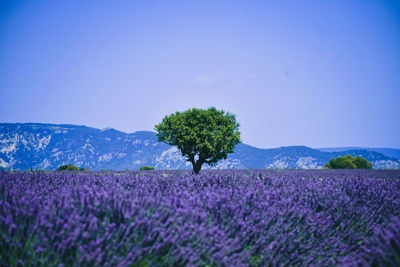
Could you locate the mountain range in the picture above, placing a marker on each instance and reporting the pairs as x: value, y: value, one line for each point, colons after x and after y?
x: 47, y: 146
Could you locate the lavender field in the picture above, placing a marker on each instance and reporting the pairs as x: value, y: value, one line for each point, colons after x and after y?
x: 217, y: 218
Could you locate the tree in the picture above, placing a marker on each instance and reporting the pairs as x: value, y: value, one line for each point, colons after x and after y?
x: 68, y: 167
x: 146, y: 168
x: 202, y: 136
x: 348, y: 162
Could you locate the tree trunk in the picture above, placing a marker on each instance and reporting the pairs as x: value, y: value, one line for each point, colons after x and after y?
x: 197, y: 166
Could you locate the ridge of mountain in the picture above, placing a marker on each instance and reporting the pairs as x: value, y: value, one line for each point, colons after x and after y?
x: 390, y: 152
x: 47, y: 146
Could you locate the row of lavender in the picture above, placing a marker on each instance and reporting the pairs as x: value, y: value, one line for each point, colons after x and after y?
x: 222, y: 218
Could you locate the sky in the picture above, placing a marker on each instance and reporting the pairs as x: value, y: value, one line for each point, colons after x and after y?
x: 314, y: 73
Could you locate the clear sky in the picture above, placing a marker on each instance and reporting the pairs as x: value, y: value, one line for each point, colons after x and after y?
x: 314, y: 73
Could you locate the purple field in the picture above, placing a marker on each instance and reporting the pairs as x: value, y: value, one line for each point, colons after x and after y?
x: 217, y: 218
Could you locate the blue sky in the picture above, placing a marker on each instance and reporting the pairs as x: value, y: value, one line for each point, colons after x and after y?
x: 315, y: 73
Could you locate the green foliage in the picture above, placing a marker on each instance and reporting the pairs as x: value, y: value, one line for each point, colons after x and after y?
x: 362, y: 163
x: 68, y: 167
x: 348, y: 162
x: 202, y: 136
x: 146, y: 168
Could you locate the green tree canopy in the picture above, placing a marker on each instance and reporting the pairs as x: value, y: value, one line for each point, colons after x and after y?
x: 68, y: 167
x: 146, y: 168
x: 348, y: 162
x: 202, y: 136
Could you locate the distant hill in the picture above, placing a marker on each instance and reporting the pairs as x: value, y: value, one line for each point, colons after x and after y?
x: 390, y: 152
x: 47, y: 146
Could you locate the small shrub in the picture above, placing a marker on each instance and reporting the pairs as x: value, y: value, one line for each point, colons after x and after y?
x: 146, y: 168
x: 68, y: 167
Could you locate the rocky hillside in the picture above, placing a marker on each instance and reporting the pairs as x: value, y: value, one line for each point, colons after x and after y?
x: 47, y: 146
